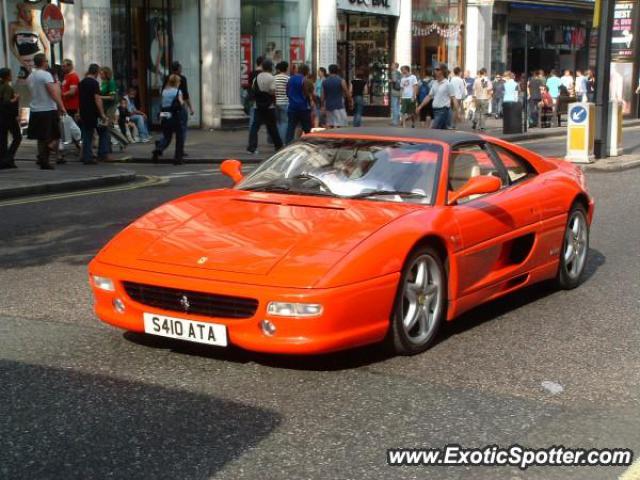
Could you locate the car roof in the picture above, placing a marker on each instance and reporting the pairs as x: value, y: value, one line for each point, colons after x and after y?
x: 450, y: 137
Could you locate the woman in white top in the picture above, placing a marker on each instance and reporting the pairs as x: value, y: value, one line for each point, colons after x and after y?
x: 172, y: 103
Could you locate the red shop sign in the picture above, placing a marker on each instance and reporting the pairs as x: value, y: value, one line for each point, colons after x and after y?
x: 52, y: 23
x: 296, y: 50
x: 246, y: 52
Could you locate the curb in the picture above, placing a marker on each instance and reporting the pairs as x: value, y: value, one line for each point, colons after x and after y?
x: 187, y: 161
x: 67, y: 185
x: 612, y: 164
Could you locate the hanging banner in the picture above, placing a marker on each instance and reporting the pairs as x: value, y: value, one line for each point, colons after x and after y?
x: 246, y: 52
x: 296, y: 50
x: 52, y: 23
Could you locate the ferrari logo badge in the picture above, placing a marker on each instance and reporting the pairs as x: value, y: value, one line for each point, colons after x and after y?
x: 184, y: 301
x: 203, y: 260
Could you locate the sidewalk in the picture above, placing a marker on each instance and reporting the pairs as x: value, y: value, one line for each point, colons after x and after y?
x: 29, y: 179
x: 203, y: 146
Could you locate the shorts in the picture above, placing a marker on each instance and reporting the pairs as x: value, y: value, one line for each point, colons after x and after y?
x: 337, y: 118
x: 426, y: 112
x: 44, y: 126
x: 408, y: 106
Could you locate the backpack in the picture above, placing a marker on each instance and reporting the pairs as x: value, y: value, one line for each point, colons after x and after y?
x: 263, y: 99
x: 424, y: 90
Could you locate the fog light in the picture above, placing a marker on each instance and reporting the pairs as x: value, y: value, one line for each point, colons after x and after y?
x: 118, y: 305
x: 104, y: 283
x: 268, y: 328
x: 286, y: 309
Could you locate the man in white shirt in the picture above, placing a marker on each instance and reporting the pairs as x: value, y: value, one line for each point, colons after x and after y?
x: 409, y: 89
x: 442, y: 96
x: 482, y: 93
x: 567, y: 81
x: 46, y: 107
x: 460, y: 90
x: 581, y: 87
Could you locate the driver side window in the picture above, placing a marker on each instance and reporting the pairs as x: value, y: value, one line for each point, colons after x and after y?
x: 468, y: 161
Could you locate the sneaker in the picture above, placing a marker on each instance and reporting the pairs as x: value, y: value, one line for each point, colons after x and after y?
x: 144, y: 140
x: 253, y: 152
x: 47, y: 166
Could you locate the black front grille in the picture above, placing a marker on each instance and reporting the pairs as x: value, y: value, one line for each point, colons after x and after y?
x: 186, y: 301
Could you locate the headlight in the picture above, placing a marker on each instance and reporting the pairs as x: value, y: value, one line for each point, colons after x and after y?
x: 286, y: 309
x: 104, y: 283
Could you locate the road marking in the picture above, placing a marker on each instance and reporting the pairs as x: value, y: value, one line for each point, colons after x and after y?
x: 148, y: 181
x: 632, y: 473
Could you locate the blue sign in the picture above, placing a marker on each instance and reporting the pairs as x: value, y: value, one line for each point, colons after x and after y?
x: 578, y: 114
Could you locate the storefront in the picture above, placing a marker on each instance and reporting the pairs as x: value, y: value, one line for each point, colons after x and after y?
x: 147, y: 36
x: 365, y: 42
x: 278, y: 30
x: 437, y: 33
x: 555, y: 34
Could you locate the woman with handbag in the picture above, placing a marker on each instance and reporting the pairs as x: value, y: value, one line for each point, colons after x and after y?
x: 172, y: 103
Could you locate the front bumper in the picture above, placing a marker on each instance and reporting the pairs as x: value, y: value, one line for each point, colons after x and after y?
x: 353, y: 315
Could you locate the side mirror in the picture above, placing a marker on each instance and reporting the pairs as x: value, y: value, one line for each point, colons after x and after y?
x: 233, y: 170
x: 476, y: 186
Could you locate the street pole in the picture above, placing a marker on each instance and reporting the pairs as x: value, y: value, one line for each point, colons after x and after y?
x: 525, y: 107
x: 603, y: 75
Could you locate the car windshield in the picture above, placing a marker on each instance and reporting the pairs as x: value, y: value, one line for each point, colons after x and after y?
x: 383, y: 170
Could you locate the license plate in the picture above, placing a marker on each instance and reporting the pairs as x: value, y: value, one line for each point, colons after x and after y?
x: 198, y: 332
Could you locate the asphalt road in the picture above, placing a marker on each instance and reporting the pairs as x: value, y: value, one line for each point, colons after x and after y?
x: 82, y: 400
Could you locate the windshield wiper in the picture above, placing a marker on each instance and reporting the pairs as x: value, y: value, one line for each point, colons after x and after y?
x: 388, y: 192
x: 285, y: 188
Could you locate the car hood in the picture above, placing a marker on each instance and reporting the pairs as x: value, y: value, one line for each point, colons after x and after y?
x: 232, y: 234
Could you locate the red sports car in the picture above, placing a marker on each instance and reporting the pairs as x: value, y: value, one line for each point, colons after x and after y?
x: 347, y: 238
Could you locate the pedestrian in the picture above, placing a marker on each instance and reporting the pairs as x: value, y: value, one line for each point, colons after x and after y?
x: 127, y: 127
x: 581, y: 87
x: 359, y: 89
x: 137, y: 116
x: 281, y: 80
x: 300, y: 91
x: 553, y: 85
x: 498, y: 96
x: 409, y: 94
x: 482, y: 93
x: 321, y: 75
x: 511, y: 88
x: 171, y: 118
x: 250, y: 95
x: 70, y: 94
x: 46, y: 106
x: 92, y: 110
x: 545, y: 107
x: 460, y: 89
x: 9, y: 120
x: 109, y: 92
x: 442, y: 96
x: 334, y: 92
x: 534, y: 94
x: 396, y: 92
x: 426, y: 114
x: 187, y: 108
x: 264, y: 92
x: 591, y: 86
x: 568, y: 82
x: 469, y: 81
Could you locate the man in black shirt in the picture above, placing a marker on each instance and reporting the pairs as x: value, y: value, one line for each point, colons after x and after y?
x: 90, y: 111
x: 535, y: 83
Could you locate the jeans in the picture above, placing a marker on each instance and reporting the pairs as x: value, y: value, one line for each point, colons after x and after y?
x: 440, y: 118
x: 295, y: 118
x: 141, y: 125
x: 358, y: 106
x: 104, y: 142
x: 534, y: 111
x: 282, y: 119
x: 169, y: 127
x: 267, y: 117
x: 497, y: 106
x: 184, y: 120
x: 9, y: 125
x: 395, y: 111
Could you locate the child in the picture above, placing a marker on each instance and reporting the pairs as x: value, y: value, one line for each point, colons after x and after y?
x: 127, y: 127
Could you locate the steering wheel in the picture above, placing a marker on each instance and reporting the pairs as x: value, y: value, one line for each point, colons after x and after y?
x: 307, y: 177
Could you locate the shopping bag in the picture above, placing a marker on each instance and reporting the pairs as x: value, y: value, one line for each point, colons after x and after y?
x: 71, y: 131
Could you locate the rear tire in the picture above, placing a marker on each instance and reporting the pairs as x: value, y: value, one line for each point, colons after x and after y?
x: 420, y: 307
x: 575, y: 249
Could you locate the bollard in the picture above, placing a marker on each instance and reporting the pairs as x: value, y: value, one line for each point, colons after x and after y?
x: 581, y: 129
x: 615, y: 133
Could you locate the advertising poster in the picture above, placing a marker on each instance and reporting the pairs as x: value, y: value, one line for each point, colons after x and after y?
x: 246, y: 52
x: 621, y: 87
x: 622, y: 41
x: 296, y: 50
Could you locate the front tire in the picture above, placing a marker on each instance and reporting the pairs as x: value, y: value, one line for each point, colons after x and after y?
x: 575, y: 249
x: 421, y: 303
